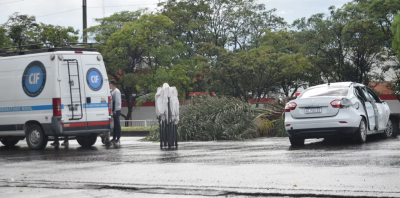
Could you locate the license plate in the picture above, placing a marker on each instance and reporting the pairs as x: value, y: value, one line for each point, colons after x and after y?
x: 313, y: 110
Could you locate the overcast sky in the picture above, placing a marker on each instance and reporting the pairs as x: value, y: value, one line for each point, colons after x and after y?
x: 69, y: 12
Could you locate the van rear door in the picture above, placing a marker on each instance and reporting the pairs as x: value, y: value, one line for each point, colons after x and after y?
x: 97, y: 91
x: 72, y: 93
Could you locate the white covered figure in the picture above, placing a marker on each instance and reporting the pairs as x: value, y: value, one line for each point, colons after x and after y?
x: 163, y: 94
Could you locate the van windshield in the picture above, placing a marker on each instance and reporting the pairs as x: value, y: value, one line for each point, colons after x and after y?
x: 325, y: 91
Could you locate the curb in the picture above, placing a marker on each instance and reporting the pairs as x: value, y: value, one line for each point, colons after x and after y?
x: 133, y: 133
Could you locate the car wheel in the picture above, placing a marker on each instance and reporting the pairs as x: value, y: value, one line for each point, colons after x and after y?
x: 392, y: 128
x: 389, y: 129
x: 360, y: 136
x: 35, y: 137
x: 87, y: 141
x: 295, y: 141
x: 9, y: 142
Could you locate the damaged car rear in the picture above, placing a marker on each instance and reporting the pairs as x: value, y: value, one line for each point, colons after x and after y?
x: 344, y: 109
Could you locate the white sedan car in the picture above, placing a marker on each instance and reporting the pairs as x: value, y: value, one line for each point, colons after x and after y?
x: 338, y: 109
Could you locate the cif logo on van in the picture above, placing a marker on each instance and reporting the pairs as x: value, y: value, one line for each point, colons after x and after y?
x: 34, y: 79
x: 94, y: 79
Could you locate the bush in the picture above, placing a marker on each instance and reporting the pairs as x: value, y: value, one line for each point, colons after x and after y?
x: 205, y: 118
x: 216, y: 118
x: 154, y: 135
x: 279, y: 127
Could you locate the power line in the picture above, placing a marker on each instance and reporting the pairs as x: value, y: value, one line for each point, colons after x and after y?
x: 59, y: 12
x: 89, y: 7
x: 124, y: 5
x: 11, y: 2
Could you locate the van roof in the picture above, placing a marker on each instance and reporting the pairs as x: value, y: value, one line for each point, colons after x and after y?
x: 46, y: 47
x: 49, y: 53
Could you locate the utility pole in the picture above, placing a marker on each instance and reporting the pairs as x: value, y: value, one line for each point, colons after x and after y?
x: 84, y: 21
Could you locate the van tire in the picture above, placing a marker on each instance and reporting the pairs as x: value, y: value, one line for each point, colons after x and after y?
x: 35, y: 138
x: 360, y: 136
x: 9, y: 142
x: 87, y: 141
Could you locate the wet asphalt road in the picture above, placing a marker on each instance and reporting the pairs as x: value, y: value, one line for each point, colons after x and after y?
x: 259, y: 167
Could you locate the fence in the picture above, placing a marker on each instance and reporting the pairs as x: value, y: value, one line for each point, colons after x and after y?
x: 138, y: 123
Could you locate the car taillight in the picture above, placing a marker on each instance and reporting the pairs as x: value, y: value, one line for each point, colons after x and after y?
x: 336, y: 103
x: 290, y: 106
x: 109, y: 105
x: 56, y: 107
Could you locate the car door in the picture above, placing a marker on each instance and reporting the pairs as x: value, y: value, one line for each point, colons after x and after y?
x: 382, y: 108
x: 370, y: 109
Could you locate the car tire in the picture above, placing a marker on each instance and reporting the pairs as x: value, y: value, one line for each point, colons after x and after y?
x: 360, y: 136
x: 395, y: 126
x: 87, y: 141
x: 35, y: 138
x: 9, y: 142
x: 295, y: 141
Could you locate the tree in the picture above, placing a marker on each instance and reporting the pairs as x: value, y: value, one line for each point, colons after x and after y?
x: 345, y: 45
x: 55, y: 34
x: 4, y: 40
x: 136, y: 51
x: 396, y: 35
x: 20, y: 27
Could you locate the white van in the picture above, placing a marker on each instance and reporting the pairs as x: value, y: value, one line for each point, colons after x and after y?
x: 53, y: 93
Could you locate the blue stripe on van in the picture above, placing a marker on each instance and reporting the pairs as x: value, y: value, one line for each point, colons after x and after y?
x: 95, y: 105
x: 26, y: 108
x: 47, y: 107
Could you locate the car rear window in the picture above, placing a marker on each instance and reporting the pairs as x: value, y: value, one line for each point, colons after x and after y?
x: 325, y: 91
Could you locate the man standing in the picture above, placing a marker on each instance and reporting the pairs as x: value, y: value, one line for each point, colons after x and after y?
x: 116, y: 109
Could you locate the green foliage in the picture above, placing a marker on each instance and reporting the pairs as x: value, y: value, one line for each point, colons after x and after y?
x: 344, y: 45
x: 279, y: 127
x: 23, y: 30
x: 264, y: 126
x: 209, y: 118
x: 135, y: 45
x: 4, y: 39
x: 20, y: 28
x: 54, y: 33
x: 216, y: 118
x: 396, y: 35
x: 154, y: 135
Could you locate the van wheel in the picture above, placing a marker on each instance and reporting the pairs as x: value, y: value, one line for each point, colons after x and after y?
x: 9, y: 142
x: 87, y: 141
x: 296, y: 141
x: 360, y: 136
x: 35, y: 137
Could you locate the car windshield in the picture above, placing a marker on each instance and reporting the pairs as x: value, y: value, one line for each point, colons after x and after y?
x: 325, y: 91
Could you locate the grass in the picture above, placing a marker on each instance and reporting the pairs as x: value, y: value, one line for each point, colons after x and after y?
x: 137, y: 128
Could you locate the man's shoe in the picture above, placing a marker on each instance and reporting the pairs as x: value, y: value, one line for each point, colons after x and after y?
x: 55, y: 144
x: 112, y: 141
x: 65, y: 144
